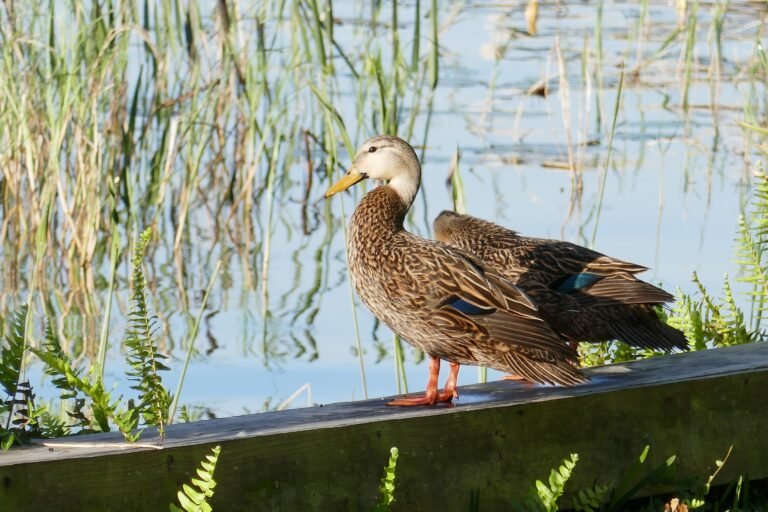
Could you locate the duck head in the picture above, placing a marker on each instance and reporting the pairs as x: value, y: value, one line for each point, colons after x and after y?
x: 384, y: 158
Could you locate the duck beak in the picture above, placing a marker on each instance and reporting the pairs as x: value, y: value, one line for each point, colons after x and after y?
x: 353, y: 176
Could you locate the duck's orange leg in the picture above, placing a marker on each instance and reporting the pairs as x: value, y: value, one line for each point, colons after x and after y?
x: 432, y: 396
x: 449, y: 392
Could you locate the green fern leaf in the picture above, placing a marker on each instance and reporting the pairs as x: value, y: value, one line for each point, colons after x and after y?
x: 750, y: 251
x: 12, y: 352
x: 591, y: 498
x: 544, y: 497
x: 144, y: 360
x: 194, y: 498
x: 14, y: 413
x: 76, y: 388
x: 387, y: 487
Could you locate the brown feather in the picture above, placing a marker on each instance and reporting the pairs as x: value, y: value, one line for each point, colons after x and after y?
x: 409, y: 283
x: 616, y: 306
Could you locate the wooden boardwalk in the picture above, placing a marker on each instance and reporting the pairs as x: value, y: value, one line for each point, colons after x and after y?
x: 498, y: 439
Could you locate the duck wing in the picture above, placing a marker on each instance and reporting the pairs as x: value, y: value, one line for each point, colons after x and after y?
x: 590, y: 277
x: 486, y: 317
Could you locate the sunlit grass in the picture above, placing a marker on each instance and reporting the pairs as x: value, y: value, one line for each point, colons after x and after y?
x: 220, y: 127
x: 127, y: 114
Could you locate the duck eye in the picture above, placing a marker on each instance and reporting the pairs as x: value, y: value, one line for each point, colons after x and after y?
x: 372, y: 149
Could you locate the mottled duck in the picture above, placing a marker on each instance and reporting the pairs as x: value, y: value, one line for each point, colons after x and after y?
x: 586, y: 295
x: 439, y: 298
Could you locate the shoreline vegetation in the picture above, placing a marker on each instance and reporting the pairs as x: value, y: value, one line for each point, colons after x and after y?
x: 183, y: 143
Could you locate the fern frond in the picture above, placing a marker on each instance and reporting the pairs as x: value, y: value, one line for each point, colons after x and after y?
x: 687, y: 315
x: 143, y: 358
x: 544, y: 497
x: 194, y: 498
x: 47, y: 425
x: 14, y: 408
x: 549, y: 494
x: 749, y: 256
x: 387, y: 487
x: 78, y: 388
x: 751, y: 246
x: 736, y: 330
x: 12, y: 352
x: 707, y: 319
x: 591, y: 498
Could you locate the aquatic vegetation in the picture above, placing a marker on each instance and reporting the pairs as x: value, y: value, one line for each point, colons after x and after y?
x: 181, y: 117
x: 219, y: 125
x: 87, y: 405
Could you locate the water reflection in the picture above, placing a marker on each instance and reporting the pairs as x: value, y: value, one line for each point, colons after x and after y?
x: 225, y: 174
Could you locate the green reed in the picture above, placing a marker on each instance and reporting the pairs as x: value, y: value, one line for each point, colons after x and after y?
x: 715, y: 37
x: 129, y: 113
x: 121, y: 114
x: 604, y: 172
x: 690, y: 41
x: 191, y: 345
x: 599, y: 59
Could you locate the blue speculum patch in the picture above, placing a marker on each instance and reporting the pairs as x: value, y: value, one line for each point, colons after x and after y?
x: 575, y: 282
x: 467, y: 308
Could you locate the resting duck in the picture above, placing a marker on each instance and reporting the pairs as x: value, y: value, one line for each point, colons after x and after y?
x: 586, y: 295
x: 439, y: 298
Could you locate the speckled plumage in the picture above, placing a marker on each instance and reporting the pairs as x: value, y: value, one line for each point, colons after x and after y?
x: 586, y: 295
x: 409, y: 282
x: 438, y: 298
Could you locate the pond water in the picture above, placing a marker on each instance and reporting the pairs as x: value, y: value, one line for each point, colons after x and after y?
x: 676, y: 181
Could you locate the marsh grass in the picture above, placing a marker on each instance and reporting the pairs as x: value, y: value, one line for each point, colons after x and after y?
x: 688, y: 54
x: 604, y: 172
x: 220, y: 125
x: 130, y: 113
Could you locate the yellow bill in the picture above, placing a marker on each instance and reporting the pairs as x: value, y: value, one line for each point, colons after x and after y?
x: 349, y: 179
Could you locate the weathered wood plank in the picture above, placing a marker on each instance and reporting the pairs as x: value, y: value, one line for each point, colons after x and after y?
x: 493, y: 444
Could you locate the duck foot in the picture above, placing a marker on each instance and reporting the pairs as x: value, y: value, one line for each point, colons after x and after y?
x: 426, y: 399
x: 432, y: 396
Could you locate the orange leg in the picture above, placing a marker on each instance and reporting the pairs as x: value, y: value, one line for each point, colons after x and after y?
x: 432, y: 396
x: 449, y: 392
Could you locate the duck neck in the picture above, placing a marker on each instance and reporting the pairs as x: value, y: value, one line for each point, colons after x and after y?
x: 380, y: 213
x: 406, y: 185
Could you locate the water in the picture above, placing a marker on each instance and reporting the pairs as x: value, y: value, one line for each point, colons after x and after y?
x: 673, y: 193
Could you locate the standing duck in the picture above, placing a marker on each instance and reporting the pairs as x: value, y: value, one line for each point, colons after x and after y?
x: 440, y: 299
x: 586, y: 295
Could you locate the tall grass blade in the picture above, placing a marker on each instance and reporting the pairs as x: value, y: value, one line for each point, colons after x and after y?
x: 604, y: 173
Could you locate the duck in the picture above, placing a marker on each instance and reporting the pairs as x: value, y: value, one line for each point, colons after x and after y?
x: 441, y: 299
x: 587, y: 296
